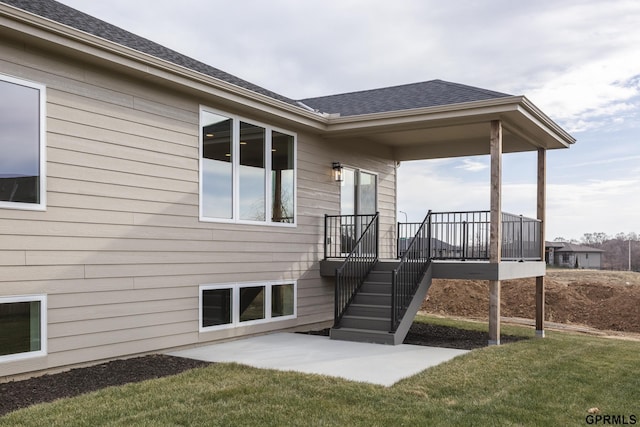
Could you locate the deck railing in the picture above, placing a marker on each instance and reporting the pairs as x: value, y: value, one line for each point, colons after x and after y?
x: 341, y: 232
x: 407, y: 276
x: 358, y: 263
x: 465, y: 236
x: 521, y: 238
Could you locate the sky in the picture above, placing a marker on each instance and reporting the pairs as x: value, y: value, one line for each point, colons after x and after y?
x: 577, y: 60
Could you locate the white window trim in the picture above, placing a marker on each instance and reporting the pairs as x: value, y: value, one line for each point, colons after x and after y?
x: 43, y: 327
x: 42, y: 206
x: 235, y: 303
x: 235, y: 162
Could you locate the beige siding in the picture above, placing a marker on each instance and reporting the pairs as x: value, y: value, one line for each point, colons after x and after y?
x: 120, y: 251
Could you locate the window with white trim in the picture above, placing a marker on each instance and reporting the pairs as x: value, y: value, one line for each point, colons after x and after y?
x: 22, y: 144
x: 247, y: 170
x: 239, y: 304
x: 23, y: 327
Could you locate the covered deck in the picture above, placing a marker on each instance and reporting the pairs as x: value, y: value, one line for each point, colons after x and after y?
x: 489, y: 245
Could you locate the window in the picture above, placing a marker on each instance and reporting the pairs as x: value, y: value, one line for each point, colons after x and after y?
x: 22, y: 144
x: 282, y: 300
x: 282, y: 178
x: 216, y: 307
x: 23, y: 327
x: 247, y: 171
x: 238, y: 304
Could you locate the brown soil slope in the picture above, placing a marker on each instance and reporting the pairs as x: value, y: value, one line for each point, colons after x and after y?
x: 607, y: 300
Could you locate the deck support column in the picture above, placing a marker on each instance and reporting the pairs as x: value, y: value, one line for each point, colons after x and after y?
x: 541, y: 207
x: 495, y: 237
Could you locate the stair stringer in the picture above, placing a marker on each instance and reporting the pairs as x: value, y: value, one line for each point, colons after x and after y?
x: 407, y: 320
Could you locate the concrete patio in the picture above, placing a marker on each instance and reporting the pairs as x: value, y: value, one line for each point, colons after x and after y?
x: 312, y: 354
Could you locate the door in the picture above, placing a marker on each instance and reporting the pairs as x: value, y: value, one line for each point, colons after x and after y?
x: 358, y: 196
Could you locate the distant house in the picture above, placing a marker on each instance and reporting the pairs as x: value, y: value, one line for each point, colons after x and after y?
x: 565, y: 254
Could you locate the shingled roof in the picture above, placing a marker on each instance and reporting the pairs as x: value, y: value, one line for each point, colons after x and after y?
x: 571, y: 247
x: 418, y: 95
x: 397, y: 98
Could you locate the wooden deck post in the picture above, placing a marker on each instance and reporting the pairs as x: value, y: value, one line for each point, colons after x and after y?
x: 495, y: 238
x: 542, y: 201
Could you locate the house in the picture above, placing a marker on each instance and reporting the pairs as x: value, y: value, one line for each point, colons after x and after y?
x: 572, y: 255
x: 149, y: 201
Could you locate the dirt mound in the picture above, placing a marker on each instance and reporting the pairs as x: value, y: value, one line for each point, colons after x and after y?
x: 599, y: 299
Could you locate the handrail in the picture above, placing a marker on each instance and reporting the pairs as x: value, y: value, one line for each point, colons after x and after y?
x: 355, y: 268
x: 464, y: 235
x: 407, y: 276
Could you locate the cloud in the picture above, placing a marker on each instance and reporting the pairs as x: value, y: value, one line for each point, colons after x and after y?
x: 472, y: 165
x: 597, y: 205
x: 425, y: 185
x: 608, y: 161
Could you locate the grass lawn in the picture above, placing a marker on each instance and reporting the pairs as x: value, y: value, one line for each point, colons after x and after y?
x: 546, y: 382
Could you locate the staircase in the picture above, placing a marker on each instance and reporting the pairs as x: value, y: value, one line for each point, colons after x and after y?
x: 368, y: 317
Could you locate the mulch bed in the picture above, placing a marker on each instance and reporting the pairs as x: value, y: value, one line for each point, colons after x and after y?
x: 46, y: 388
x: 448, y: 337
x: 443, y: 336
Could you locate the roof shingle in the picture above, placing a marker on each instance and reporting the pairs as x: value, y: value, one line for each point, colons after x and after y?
x: 417, y: 95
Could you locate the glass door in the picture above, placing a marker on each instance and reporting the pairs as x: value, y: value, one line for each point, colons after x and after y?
x: 366, y: 194
x: 358, y: 196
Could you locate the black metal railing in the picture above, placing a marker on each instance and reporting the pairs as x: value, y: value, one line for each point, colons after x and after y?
x: 521, y: 238
x: 357, y: 265
x: 341, y: 232
x: 465, y: 236
x: 407, y: 276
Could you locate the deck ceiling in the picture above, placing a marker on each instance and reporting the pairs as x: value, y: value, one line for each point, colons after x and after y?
x: 454, y: 131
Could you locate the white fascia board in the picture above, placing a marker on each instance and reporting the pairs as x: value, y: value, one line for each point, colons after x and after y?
x: 463, y: 112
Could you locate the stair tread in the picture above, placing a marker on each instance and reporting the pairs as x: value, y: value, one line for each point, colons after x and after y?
x: 369, y: 305
x: 363, y: 331
x: 356, y: 317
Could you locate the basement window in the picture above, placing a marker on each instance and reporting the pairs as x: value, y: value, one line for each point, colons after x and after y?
x: 232, y: 305
x: 24, y: 327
